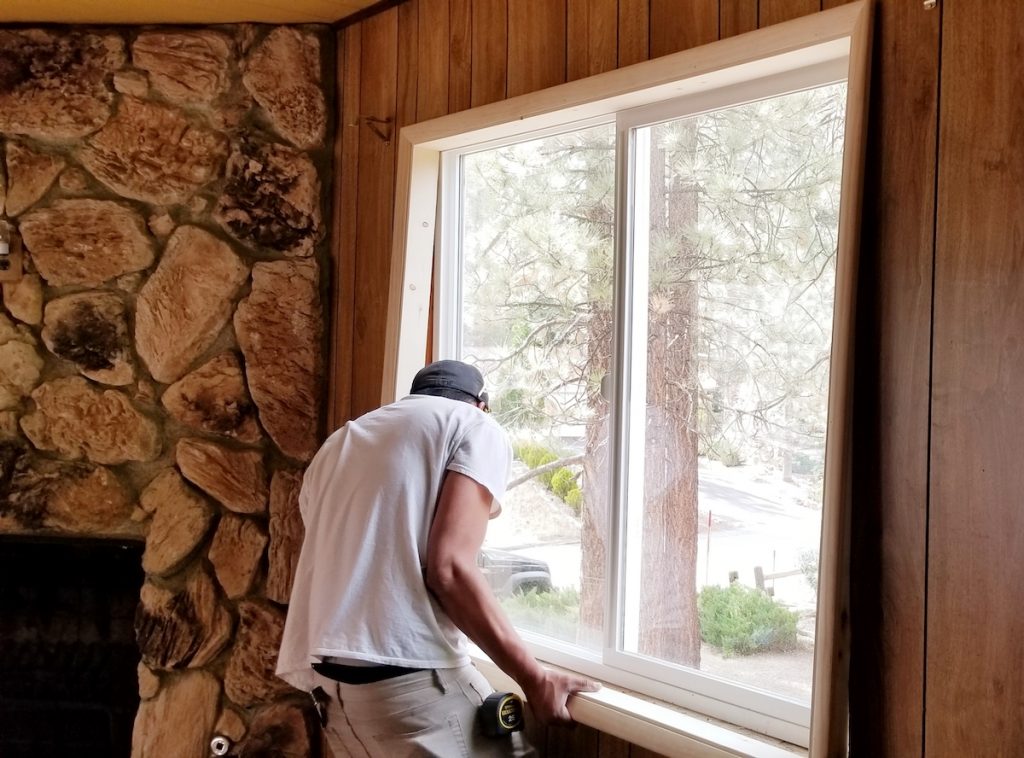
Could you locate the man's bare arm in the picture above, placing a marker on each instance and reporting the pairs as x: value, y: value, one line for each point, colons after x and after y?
x: 456, y: 535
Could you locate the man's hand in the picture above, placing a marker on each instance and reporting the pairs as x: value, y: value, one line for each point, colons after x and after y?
x: 548, y: 694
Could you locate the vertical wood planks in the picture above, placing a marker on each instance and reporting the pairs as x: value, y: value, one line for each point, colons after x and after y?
x: 433, y: 39
x: 634, y: 31
x: 536, y: 45
x: 612, y: 747
x: 975, y: 653
x: 737, y: 17
x: 432, y: 85
x: 579, y: 741
x: 775, y: 11
x: 408, y: 67
x: 377, y: 114
x: 679, y: 26
x: 460, y: 74
x: 641, y: 752
x: 592, y: 43
x: 343, y: 240
x: 490, y: 50
x: 891, y: 388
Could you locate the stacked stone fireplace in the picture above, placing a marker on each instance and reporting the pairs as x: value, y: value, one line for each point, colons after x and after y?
x: 160, y: 359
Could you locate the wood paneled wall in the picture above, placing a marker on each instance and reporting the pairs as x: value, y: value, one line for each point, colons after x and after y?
x: 426, y: 58
x: 975, y: 606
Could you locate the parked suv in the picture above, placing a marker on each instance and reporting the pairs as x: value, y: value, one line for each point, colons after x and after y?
x: 508, y: 573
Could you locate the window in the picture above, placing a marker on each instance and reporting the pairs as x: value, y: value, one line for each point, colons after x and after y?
x: 655, y: 273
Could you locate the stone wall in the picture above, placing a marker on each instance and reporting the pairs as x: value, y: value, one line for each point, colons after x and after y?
x: 160, y: 362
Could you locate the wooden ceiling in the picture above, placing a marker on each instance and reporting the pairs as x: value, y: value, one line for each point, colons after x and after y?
x: 178, y: 11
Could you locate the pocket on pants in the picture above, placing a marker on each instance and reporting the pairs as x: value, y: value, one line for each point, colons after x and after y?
x: 441, y: 739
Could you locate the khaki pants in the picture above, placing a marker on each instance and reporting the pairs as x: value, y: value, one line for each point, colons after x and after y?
x: 427, y: 713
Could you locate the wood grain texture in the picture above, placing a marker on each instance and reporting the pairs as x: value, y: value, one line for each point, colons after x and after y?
x: 408, y: 65
x: 378, y: 98
x: 737, y: 17
x: 345, y: 213
x: 892, y: 388
x: 679, y: 26
x: 490, y: 50
x: 826, y: 4
x: 460, y: 60
x: 536, y: 45
x: 612, y: 747
x: 433, y: 39
x: 578, y: 741
x: 775, y: 11
x: 592, y: 41
x: 634, y: 31
x: 975, y: 653
x: 641, y: 752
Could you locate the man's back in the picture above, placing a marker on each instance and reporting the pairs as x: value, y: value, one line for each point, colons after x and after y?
x: 367, y: 503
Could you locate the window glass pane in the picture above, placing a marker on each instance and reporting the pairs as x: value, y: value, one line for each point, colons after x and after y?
x: 736, y: 216
x: 536, y: 275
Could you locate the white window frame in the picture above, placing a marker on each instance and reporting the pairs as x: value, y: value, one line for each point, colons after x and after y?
x: 831, y: 45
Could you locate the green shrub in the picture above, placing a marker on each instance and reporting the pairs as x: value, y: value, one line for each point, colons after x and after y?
x: 555, y: 612
x: 563, y: 481
x: 575, y: 500
x: 741, y: 620
x: 534, y: 456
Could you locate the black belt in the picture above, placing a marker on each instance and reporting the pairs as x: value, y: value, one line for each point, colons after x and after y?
x: 360, y: 674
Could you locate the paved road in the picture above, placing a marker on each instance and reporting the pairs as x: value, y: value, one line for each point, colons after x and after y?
x: 747, y: 530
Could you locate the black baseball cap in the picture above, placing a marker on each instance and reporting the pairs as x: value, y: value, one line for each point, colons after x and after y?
x: 452, y: 379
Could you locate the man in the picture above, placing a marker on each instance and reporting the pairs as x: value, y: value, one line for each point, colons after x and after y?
x: 395, y: 505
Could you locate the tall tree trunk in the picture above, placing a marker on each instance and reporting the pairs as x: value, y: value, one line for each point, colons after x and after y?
x: 669, y: 627
x: 669, y: 624
x: 595, y: 511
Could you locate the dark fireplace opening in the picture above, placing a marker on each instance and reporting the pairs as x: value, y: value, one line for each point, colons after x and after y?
x: 68, y: 658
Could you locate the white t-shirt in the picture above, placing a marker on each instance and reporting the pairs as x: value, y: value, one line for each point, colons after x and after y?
x: 367, y: 500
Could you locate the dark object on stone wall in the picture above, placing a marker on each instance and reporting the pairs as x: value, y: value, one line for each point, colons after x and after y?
x: 213, y: 398
x: 90, y: 329
x: 53, y: 87
x: 271, y: 199
x: 182, y: 629
x: 77, y: 498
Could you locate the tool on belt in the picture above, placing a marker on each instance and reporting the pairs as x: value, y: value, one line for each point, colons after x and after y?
x: 501, y: 714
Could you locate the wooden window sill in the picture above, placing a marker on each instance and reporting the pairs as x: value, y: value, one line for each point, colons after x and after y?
x: 661, y: 728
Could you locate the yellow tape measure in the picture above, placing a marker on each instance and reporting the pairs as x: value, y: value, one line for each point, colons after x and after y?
x: 501, y: 714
